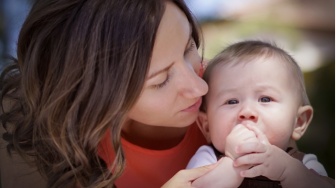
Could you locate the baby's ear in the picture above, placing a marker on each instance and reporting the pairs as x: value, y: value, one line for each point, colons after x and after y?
x: 304, y: 117
x: 203, y: 124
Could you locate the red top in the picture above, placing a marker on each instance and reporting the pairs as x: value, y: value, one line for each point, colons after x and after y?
x: 152, y: 168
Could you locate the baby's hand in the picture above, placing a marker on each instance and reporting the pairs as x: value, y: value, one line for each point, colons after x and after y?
x: 240, y: 134
x: 266, y: 159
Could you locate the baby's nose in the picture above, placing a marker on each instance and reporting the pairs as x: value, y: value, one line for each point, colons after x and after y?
x: 248, y: 113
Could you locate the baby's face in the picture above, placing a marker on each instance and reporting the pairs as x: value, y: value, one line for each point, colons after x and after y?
x: 261, y: 93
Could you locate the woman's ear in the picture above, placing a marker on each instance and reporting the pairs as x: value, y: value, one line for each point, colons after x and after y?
x: 304, y: 117
x: 203, y: 124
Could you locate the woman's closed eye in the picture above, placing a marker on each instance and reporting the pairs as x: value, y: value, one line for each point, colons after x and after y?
x: 162, y: 84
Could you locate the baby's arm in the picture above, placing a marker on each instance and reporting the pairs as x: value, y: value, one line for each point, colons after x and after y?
x: 274, y: 163
x: 225, y: 174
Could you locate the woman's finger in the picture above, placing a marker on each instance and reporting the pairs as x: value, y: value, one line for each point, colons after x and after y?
x: 184, y: 177
x: 192, y: 174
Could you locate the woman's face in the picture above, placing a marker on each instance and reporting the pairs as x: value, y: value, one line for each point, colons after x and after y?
x: 173, y: 89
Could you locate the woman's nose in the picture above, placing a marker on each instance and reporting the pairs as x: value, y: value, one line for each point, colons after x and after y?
x: 193, y: 85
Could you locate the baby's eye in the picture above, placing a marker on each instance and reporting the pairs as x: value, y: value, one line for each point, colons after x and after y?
x: 265, y: 99
x: 232, y: 101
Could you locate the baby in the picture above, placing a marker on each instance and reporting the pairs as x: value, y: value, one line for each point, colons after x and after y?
x: 255, y: 110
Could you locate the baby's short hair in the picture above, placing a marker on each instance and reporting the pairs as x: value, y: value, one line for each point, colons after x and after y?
x: 246, y: 51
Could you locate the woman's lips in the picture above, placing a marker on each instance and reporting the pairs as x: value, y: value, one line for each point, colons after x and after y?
x: 194, y: 107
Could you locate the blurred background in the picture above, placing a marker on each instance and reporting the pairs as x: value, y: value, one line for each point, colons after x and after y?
x: 305, y: 28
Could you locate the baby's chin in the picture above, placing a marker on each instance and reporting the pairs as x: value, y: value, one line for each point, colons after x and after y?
x: 216, y: 146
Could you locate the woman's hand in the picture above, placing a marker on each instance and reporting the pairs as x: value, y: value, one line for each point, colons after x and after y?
x: 184, y: 178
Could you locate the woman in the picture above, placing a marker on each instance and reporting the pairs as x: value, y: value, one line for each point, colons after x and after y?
x: 106, y: 92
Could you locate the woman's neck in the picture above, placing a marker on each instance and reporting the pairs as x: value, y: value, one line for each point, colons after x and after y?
x: 153, y: 137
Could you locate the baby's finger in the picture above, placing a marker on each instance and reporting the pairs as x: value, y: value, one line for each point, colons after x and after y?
x: 251, y: 147
x: 260, y: 135
x: 238, y: 128
x: 242, y: 132
x: 252, y: 172
x: 252, y: 159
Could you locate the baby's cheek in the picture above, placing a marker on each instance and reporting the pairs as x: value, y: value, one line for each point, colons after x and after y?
x: 218, y: 142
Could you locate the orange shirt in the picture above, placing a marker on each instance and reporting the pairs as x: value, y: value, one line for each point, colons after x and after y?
x: 152, y: 168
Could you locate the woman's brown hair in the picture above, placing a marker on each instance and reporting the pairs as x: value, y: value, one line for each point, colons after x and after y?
x: 80, y: 67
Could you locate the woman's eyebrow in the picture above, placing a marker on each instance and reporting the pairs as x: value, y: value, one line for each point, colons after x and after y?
x: 159, y: 71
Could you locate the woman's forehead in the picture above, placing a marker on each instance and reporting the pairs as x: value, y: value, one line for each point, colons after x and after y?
x: 171, y: 39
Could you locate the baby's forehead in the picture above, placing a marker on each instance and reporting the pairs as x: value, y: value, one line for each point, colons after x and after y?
x: 248, y: 59
x: 291, y: 67
x: 229, y: 70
